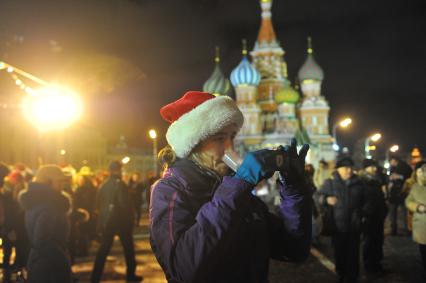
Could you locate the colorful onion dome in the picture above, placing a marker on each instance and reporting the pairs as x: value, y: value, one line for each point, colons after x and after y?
x: 217, y: 84
x: 310, y: 70
x: 287, y: 94
x: 245, y: 73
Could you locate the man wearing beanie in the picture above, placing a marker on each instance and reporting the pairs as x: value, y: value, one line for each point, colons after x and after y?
x: 116, y: 217
x: 208, y: 227
x: 377, y: 210
x: 344, y: 195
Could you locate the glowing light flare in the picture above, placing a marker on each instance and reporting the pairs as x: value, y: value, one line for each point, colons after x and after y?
x: 336, y: 147
x: 346, y: 122
x: 415, y: 152
x: 125, y: 160
x: 29, y: 91
x: 152, y: 134
x: 52, y: 108
x: 376, y: 137
x: 394, y: 148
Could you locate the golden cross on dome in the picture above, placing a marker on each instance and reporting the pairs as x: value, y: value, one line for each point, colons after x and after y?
x: 217, y: 57
x: 244, y: 46
x: 310, y: 50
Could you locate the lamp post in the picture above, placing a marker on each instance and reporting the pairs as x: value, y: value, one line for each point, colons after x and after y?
x: 374, y: 138
x: 49, y: 108
x: 344, y: 124
x: 52, y: 108
x: 153, y: 136
x: 394, y: 148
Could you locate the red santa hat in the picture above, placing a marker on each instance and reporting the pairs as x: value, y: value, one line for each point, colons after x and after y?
x: 196, y: 116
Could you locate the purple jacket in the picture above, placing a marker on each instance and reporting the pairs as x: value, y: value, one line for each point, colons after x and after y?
x: 204, y: 229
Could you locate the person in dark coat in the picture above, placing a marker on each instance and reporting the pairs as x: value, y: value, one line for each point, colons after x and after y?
x: 206, y: 227
x: 310, y: 173
x: 345, y: 194
x: 377, y: 210
x: 137, y: 188
x: 14, y: 234
x: 46, y: 217
x: 399, y: 172
x: 116, y: 217
x: 84, y: 198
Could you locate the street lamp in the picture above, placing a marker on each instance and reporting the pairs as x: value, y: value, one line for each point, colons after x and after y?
x: 52, y: 108
x: 376, y: 137
x: 392, y: 149
x: 153, y: 136
x: 125, y: 160
x: 344, y: 124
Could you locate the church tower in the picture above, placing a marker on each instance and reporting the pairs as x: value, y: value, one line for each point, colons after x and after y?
x: 268, y: 58
x: 314, y: 108
x: 245, y: 79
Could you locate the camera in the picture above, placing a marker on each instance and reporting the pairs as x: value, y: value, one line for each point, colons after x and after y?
x: 274, y: 157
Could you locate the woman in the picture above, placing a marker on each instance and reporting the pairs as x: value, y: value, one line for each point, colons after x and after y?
x: 416, y: 203
x: 46, y: 216
x: 206, y: 227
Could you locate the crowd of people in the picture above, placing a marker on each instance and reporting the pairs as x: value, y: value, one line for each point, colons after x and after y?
x: 50, y: 217
x: 208, y: 223
x: 352, y: 205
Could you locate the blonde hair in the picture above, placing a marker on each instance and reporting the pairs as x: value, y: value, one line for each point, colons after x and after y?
x: 167, y: 157
x: 201, y: 159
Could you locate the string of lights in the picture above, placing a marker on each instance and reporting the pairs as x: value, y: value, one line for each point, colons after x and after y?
x: 15, y: 72
x: 49, y: 107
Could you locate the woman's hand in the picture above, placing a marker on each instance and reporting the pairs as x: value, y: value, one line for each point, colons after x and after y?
x: 294, y: 169
x: 257, y: 166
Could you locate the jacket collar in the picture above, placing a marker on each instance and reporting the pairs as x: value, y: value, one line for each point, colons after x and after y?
x: 41, y: 194
x: 194, y: 177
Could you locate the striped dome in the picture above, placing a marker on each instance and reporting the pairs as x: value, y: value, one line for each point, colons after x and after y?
x: 245, y: 73
x: 311, y: 70
x: 217, y: 84
x: 287, y: 95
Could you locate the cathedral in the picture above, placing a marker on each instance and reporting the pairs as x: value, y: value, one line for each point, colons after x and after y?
x: 273, y: 109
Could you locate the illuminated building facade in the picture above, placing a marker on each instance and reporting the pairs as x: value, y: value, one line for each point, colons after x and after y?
x: 273, y: 109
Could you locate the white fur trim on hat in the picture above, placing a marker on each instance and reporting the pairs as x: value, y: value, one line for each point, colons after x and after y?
x: 201, y: 122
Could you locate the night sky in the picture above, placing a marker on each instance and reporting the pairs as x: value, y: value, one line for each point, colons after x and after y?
x: 128, y: 58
